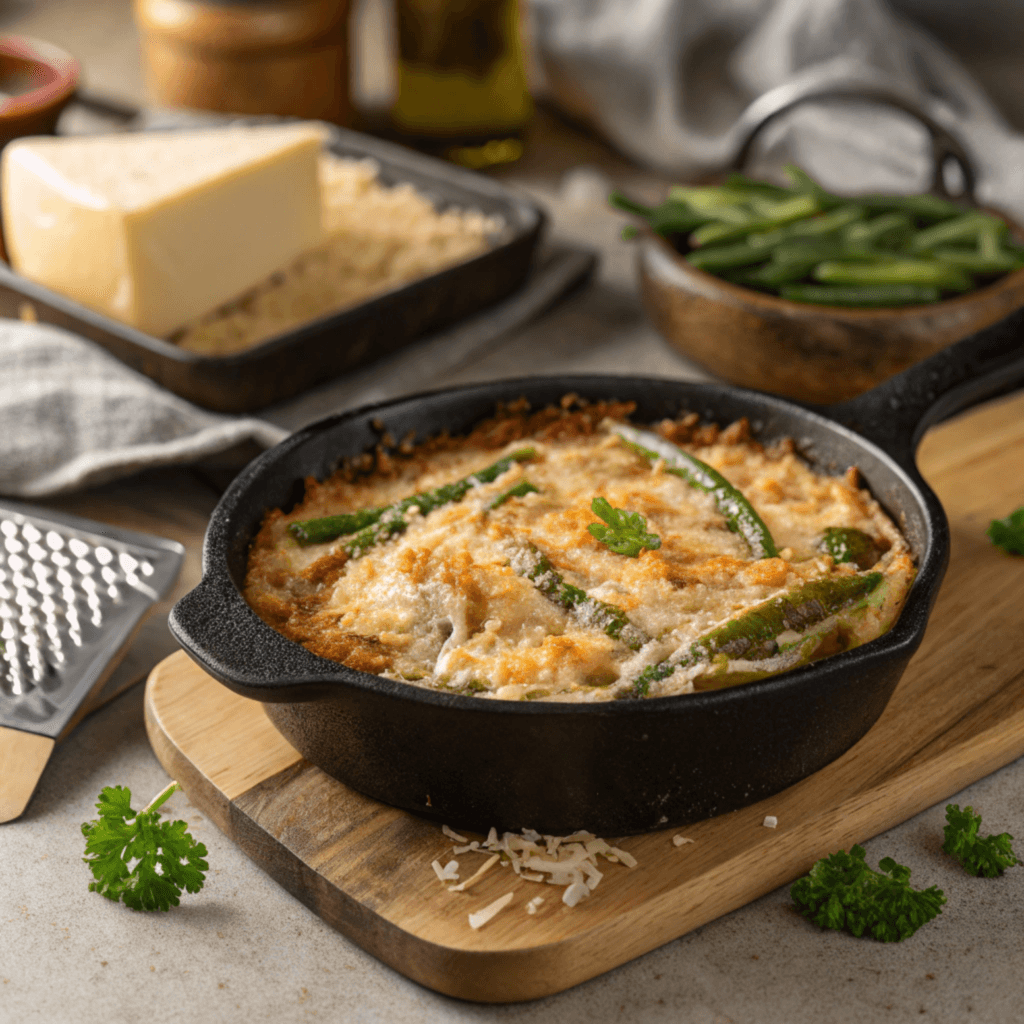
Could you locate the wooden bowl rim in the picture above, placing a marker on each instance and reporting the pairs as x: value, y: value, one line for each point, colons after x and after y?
x: 44, y: 54
x: 765, y: 303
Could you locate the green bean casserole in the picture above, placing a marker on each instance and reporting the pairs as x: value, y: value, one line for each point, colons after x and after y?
x: 563, y: 554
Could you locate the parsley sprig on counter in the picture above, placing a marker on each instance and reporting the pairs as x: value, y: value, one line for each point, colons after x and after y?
x: 625, y: 532
x: 1008, y: 533
x: 139, y: 859
x: 986, y: 857
x: 842, y: 892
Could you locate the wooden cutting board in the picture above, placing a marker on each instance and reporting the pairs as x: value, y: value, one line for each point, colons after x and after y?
x: 957, y: 715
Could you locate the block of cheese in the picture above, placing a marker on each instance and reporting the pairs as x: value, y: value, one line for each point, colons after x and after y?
x: 157, y: 228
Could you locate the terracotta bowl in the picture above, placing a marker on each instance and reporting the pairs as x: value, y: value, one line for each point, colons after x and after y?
x: 811, y: 353
x: 41, y: 79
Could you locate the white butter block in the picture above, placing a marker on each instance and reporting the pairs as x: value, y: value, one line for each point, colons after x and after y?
x: 158, y: 228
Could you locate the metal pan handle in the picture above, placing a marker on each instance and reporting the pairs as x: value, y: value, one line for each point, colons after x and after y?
x: 896, y: 414
x: 785, y: 97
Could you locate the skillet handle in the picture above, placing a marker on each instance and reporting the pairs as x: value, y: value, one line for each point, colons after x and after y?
x: 896, y: 414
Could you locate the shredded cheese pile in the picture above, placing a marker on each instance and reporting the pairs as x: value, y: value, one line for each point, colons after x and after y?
x: 567, y: 861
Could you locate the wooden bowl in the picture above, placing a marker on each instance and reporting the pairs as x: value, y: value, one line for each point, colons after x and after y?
x: 42, y: 79
x: 811, y: 353
x: 822, y: 354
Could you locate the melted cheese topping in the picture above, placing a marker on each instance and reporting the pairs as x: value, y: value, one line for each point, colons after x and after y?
x: 447, y: 604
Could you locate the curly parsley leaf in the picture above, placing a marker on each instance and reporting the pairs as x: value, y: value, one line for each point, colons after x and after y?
x: 842, y: 892
x: 1008, y: 533
x: 136, y: 858
x: 626, y: 532
x: 986, y: 857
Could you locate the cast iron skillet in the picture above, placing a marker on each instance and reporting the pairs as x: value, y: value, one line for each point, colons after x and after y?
x: 617, y: 767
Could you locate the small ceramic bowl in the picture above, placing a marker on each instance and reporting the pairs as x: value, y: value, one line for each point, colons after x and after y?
x: 37, y: 81
x: 822, y: 354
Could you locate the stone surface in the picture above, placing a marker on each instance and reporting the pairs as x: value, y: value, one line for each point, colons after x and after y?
x: 243, y: 950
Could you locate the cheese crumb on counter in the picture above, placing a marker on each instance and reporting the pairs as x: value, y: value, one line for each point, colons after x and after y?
x: 680, y: 840
x: 770, y: 821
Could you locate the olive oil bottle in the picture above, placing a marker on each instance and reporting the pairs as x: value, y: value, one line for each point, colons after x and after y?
x: 462, y: 82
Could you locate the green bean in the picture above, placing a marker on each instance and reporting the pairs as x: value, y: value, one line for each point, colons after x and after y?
x: 774, y: 274
x: 890, y: 229
x: 924, y: 207
x: 754, y: 635
x: 609, y: 618
x: 961, y: 229
x: 898, y: 271
x: 975, y: 262
x: 390, y: 519
x: 803, y: 182
x: 739, y: 514
x: 822, y: 248
x: 793, y: 261
x: 520, y: 490
x: 320, y: 531
x: 726, y: 257
x: 783, y: 211
x: 766, y: 215
x: 709, y: 199
x: 861, y: 295
x: 847, y: 544
x: 666, y: 219
x: 755, y: 188
x: 824, y: 224
x: 994, y: 242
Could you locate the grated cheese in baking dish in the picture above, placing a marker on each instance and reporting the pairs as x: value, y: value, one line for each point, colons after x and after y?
x: 379, y: 237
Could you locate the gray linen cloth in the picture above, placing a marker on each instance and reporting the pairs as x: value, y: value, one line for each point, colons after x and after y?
x: 667, y: 80
x: 71, y: 415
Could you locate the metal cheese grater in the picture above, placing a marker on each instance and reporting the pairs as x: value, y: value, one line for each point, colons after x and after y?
x: 72, y: 593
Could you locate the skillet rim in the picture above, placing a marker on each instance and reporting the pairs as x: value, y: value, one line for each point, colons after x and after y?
x: 901, y: 641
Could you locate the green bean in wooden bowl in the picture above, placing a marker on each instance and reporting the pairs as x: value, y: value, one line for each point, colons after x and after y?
x: 816, y: 296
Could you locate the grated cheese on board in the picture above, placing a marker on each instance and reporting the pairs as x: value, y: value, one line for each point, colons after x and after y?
x: 566, y: 861
x: 481, y: 917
